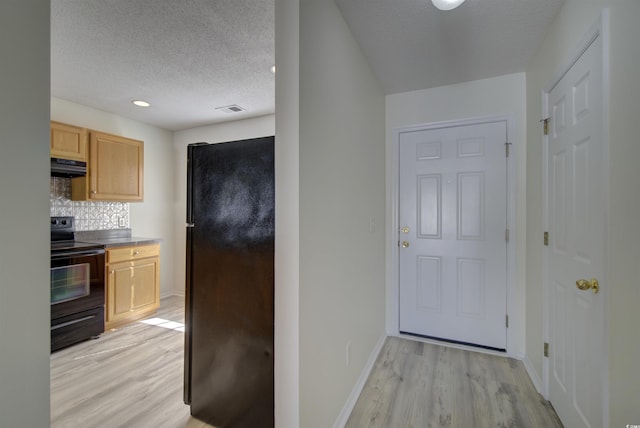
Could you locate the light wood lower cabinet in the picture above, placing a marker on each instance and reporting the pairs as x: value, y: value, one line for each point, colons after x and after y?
x: 133, y: 283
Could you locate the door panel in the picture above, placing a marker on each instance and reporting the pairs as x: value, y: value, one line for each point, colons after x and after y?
x: 471, y: 205
x: 453, y: 187
x: 429, y: 204
x: 576, y: 203
x: 471, y: 288
x: 430, y: 283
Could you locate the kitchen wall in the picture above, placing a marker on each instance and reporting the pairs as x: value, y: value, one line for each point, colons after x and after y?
x: 24, y: 227
x: 497, y: 96
x: 623, y: 244
x: 88, y: 215
x: 262, y: 126
x: 154, y: 217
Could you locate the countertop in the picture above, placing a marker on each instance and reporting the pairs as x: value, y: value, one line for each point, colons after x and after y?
x: 114, y: 238
x: 125, y: 241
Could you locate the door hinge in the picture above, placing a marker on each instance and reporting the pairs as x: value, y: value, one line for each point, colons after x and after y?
x: 506, y: 321
x: 506, y: 235
x: 507, y: 148
x: 545, y: 126
x: 546, y: 238
x: 546, y: 349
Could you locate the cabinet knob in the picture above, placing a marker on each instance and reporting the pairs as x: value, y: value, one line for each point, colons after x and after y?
x: 135, y: 253
x: 93, y: 192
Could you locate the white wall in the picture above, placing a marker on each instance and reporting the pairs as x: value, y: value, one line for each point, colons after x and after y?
x: 560, y: 44
x: 342, y: 187
x: 287, y: 251
x: 154, y: 217
x: 24, y: 208
x: 497, y: 96
x: 262, y: 126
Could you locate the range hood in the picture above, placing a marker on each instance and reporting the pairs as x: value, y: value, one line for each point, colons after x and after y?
x: 68, y: 168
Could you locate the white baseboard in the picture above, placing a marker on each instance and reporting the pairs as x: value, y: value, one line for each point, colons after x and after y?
x: 357, y: 388
x: 533, y: 375
x: 171, y: 294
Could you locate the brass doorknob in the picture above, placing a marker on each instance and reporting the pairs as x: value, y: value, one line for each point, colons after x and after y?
x: 584, y: 284
x: 405, y: 244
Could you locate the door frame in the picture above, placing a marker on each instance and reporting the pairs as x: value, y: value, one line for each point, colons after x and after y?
x: 599, y: 29
x: 514, y: 297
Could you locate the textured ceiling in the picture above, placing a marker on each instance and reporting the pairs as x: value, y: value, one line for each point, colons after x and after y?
x: 185, y: 57
x: 412, y: 45
x: 188, y: 57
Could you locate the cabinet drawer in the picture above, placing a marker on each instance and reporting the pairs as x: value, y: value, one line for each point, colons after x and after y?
x: 132, y: 253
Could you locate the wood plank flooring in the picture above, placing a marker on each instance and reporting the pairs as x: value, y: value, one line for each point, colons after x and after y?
x: 415, y: 384
x: 131, y: 377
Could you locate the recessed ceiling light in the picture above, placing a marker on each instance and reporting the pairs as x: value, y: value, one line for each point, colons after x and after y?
x: 273, y: 69
x: 447, y: 4
x: 141, y: 103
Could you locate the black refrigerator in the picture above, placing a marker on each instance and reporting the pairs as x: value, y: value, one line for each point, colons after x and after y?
x: 230, y: 283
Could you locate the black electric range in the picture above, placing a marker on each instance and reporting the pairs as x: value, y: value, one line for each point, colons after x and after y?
x: 77, y: 286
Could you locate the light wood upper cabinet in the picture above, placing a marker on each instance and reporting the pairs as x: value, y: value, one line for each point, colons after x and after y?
x: 115, y: 170
x: 68, y: 142
x: 133, y: 283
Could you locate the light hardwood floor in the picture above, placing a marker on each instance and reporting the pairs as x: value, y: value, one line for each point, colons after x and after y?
x: 131, y: 377
x: 415, y: 384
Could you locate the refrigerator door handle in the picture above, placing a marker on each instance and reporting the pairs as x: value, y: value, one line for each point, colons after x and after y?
x: 187, y: 318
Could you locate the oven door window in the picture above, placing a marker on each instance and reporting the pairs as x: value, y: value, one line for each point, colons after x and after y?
x: 70, y: 282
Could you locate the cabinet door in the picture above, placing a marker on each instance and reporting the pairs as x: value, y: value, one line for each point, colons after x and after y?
x: 146, y: 294
x: 116, y: 167
x: 120, y: 283
x: 116, y: 170
x: 133, y: 290
x: 68, y: 142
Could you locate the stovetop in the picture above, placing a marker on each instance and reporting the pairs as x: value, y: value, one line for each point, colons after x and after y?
x: 73, y: 245
x: 63, y: 236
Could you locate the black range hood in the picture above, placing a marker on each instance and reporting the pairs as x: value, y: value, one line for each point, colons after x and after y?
x: 68, y: 168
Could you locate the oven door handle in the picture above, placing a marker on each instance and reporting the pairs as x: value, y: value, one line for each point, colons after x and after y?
x: 75, y: 253
x: 65, y: 324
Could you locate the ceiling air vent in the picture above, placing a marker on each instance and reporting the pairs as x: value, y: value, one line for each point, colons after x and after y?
x: 234, y: 108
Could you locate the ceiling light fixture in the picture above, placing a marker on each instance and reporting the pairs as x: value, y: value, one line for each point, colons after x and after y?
x: 447, y: 4
x: 141, y: 103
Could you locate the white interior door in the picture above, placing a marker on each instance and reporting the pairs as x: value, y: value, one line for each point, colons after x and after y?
x: 576, y: 217
x: 452, y: 238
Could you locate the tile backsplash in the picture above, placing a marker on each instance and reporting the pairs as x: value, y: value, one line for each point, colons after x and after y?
x: 89, y: 215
